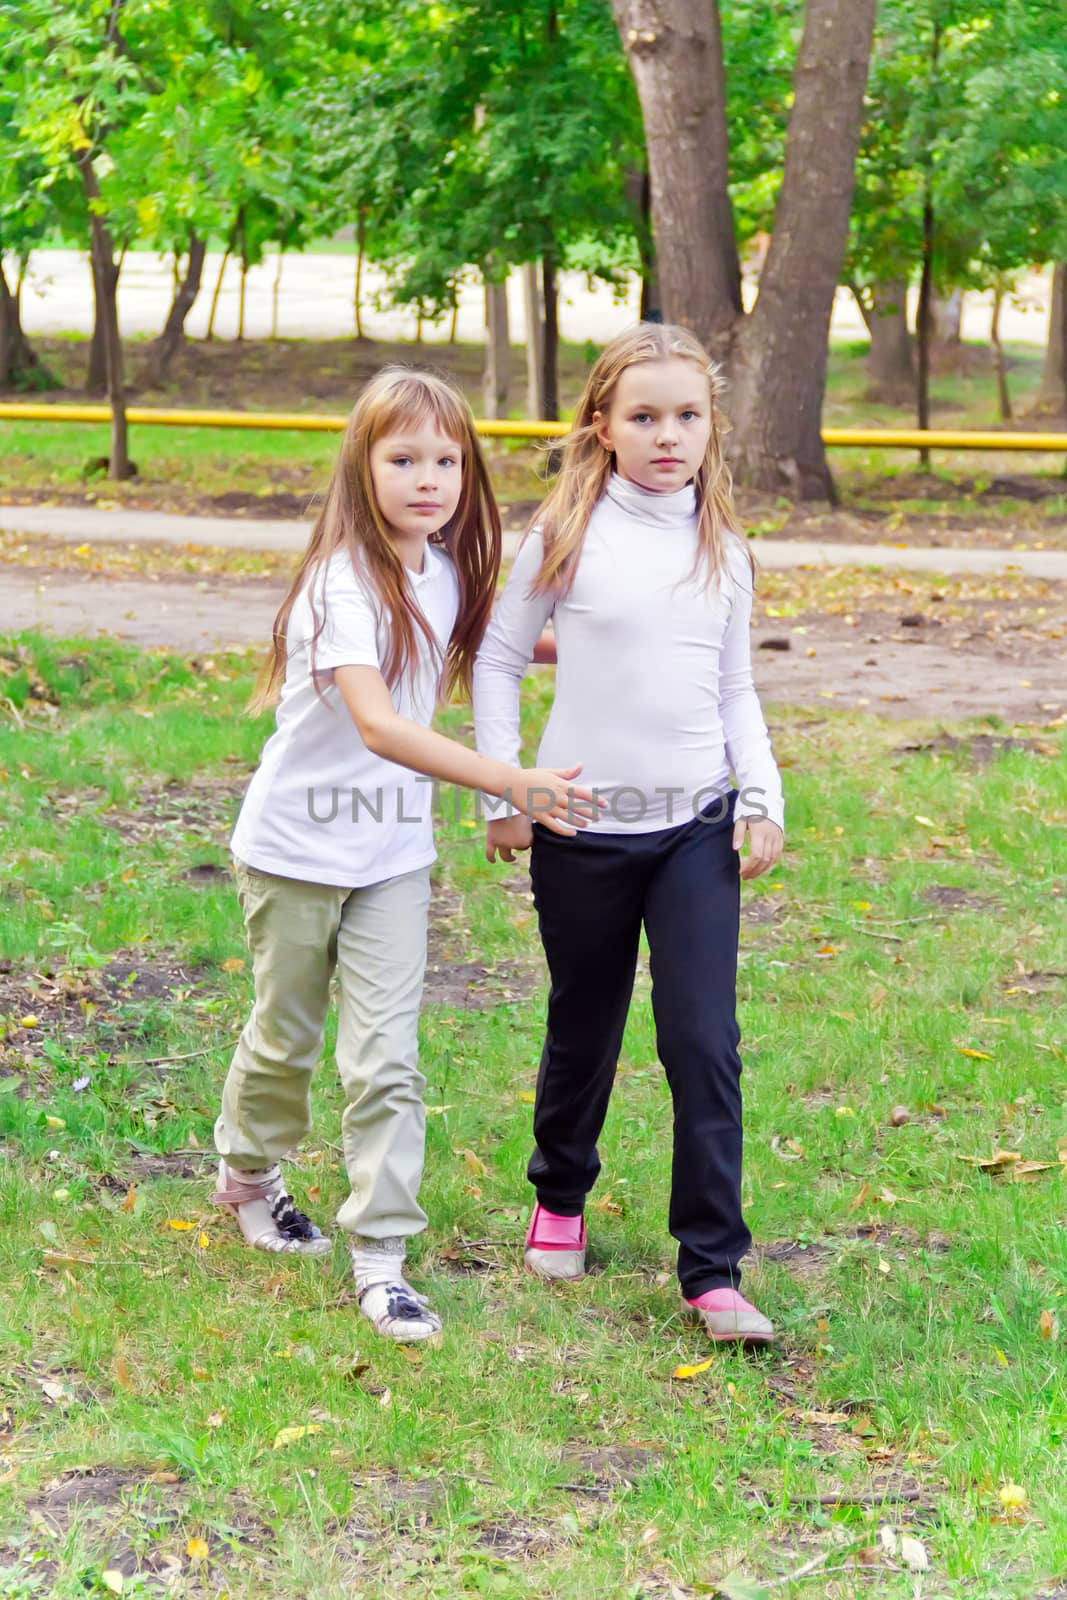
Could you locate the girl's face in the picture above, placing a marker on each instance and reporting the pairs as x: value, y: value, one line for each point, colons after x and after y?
x: 658, y: 423
x: 417, y: 475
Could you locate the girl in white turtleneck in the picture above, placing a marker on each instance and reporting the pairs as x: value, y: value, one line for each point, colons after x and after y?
x: 636, y: 559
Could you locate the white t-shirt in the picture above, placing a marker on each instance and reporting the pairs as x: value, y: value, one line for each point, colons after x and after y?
x: 654, y: 692
x: 321, y: 807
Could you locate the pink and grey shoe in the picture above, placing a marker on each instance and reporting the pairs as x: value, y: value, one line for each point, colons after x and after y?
x: 729, y: 1318
x: 266, y: 1213
x: 555, y: 1246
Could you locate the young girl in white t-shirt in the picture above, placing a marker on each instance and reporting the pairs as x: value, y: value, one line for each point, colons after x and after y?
x: 636, y: 559
x: 334, y: 841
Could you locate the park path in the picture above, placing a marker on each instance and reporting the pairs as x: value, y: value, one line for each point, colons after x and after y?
x: 945, y: 672
x: 89, y: 525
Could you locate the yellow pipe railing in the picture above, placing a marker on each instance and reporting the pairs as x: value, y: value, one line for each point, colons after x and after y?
x: 324, y: 422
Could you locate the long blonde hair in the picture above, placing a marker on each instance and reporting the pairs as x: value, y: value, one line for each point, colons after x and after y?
x: 587, y: 466
x: 351, y: 520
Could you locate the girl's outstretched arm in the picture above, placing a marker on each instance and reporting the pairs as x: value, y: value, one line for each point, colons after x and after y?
x: 547, y: 793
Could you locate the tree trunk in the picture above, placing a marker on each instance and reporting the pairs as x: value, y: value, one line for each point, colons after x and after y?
x: 550, y: 340
x: 651, y: 308
x: 925, y: 319
x: 531, y: 291
x: 778, y: 364
x: 276, y: 291
x: 96, y: 377
x: 20, y: 365
x: 210, y: 334
x: 1003, y: 393
x: 1052, y: 396
x: 497, y: 376
x: 675, y: 53
x: 361, y: 253
x: 106, y: 281
x: 244, y: 276
x: 161, y: 351
x: 947, y: 315
x: 890, y: 364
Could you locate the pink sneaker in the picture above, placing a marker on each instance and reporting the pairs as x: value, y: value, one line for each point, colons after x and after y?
x: 555, y: 1246
x: 727, y: 1315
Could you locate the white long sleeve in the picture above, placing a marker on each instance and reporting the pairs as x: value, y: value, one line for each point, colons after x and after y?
x: 654, y: 693
x: 506, y: 652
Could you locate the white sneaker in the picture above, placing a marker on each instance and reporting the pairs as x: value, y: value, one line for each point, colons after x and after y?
x: 386, y: 1299
x: 266, y: 1214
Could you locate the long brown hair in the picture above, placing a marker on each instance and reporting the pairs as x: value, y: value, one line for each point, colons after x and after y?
x: 351, y: 520
x: 587, y: 466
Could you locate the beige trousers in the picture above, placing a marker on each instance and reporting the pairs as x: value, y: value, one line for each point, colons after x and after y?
x: 375, y: 938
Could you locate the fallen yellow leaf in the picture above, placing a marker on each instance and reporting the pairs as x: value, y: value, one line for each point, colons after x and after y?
x: 57, y: 1124
x: 234, y: 964
x: 180, y: 1225
x: 926, y: 822
x: 1049, y: 1325
x: 527, y: 1096
x: 203, y: 1241
x: 476, y: 1164
x: 197, y: 1549
x: 977, y: 1055
x: 693, y: 1371
x: 131, y: 1198
x: 123, y: 1375
x: 29, y: 1021
x: 286, y: 1436
x: 1001, y: 1357
x: 1013, y: 1497
x: 113, y: 1580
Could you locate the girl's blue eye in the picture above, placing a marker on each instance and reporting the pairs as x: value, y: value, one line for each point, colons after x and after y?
x: 401, y: 461
x: 688, y: 416
x: 447, y: 461
x: 643, y: 416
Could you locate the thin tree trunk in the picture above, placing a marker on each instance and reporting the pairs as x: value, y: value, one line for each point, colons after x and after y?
x: 550, y: 340
x: 20, y: 365
x: 531, y: 292
x: 453, y: 325
x: 275, y: 294
x: 244, y: 275
x: 497, y: 374
x: 418, y: 326
x: 1052, y: 396
x: 651, y: 298
x: 361, y: 253
x: 106, y: 279
x: 161, y: 351
x: 778, y: 366
x: 675, y: 53
x: 210, y: 334
x: 96, y: 377
x: 1003, y: 393
x: 924, y: 319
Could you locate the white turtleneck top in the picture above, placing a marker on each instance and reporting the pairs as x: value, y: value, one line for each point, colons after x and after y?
x: 654, y: 693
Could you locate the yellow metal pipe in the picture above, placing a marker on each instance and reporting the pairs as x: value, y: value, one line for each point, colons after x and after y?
x: 323, y: 422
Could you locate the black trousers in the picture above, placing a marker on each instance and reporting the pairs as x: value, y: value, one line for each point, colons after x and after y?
x: 592, y: 893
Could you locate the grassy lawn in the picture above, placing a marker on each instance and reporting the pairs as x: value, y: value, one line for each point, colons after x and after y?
x: 909, y: 954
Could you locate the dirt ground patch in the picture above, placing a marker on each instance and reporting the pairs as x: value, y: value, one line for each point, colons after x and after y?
x: 97, y: 1004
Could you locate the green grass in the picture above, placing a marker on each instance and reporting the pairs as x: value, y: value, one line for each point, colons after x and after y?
x: 545, y: 1447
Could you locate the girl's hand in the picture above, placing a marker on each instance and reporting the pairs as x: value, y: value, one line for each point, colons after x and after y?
x: 506, y: 835
x: 765, y: 840
x: 547, y: 795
